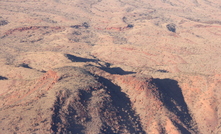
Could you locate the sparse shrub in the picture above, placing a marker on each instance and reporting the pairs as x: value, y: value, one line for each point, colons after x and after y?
x: 171, y: 27
x: 85, y: 24
x: 3, y: 22
x: 130, y: 26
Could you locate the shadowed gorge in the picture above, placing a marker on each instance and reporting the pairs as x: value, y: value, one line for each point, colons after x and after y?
x: 123, y: 107
x: 172, y: 97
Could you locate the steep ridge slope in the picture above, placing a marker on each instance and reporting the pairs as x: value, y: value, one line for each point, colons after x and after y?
x: 72, y: 100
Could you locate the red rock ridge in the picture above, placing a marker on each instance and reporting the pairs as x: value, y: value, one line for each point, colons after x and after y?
x: 21, y: 29
x: 30, y: 93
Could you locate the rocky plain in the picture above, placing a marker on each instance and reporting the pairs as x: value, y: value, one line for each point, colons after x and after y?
x: 110, y: 66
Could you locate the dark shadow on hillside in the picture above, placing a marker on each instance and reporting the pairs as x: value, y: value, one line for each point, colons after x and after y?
x: 70, y: 126
x: 116, y: 70
x: 181, y: 128
x: 79, y: 59
x: 3, y: 78
x: 162, y: 71
x: 123, y: 105
x: 106, y: 67
x: 24, y: 65
x: 173, y: 99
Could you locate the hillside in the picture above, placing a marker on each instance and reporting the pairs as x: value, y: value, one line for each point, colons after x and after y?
x: 88, y: 66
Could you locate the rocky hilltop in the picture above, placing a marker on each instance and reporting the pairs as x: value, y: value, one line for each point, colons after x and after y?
x: 114, y: 66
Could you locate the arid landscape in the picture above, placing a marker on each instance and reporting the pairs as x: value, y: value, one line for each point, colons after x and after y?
x: 110, y: 67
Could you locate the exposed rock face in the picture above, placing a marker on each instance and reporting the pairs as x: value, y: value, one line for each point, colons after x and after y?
x: 104, y: 67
